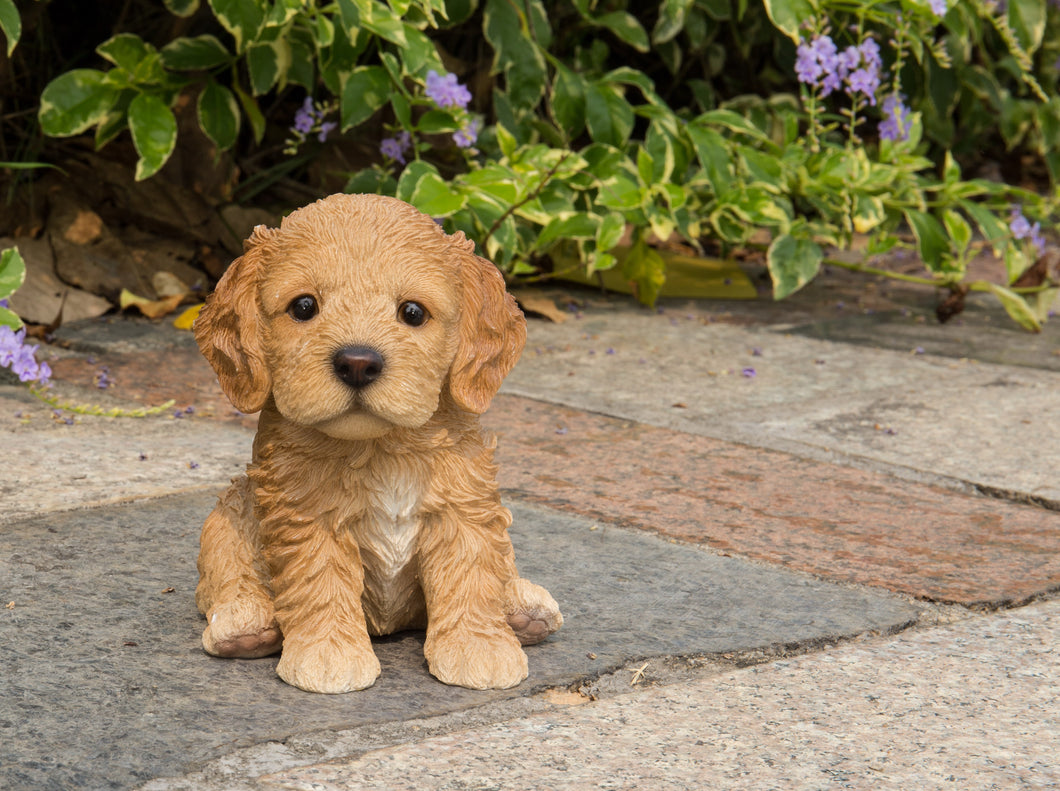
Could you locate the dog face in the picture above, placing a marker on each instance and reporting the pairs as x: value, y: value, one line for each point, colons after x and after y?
x: 359, y: 315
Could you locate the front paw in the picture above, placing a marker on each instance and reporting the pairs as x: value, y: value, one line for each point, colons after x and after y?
x: 476, y: 661
x: 244, y: 628
x: 329, y: 665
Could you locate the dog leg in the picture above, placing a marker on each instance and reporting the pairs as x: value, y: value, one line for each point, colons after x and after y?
x: 531, y: 611
x: 232, y: 591
x: 318, y: 581
x: 462, y: 570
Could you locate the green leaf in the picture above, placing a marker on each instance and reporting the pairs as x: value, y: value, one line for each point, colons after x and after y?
x: 12, y: 271
x: 195, y: 54
x: 379, y: 19
x: 516, y: 55
x: 792, y: 264
x: 506, y: 141
x: 646, y: 269
x: 436, y: 197
x: 608, y: 115
x: 671, y: 20
x: 612, y: 227
x: 371, y: 182
x: 568, y: 100
x: 713, y: 152
x: 931, y: 238
x: 252, y: 112
x: 74, y: 101
x: 8, y: 318
x: 420, y: 54
x: 788, y: 16
x: 1016, y: 307
x: 626, y: 27
x: 244, y: 19
x: 219, y: 115
x: 993, y: 229
x: 959, y: 230
x: 410, y: 178
x: 116, y: 119
x: 125, y: 51
x: 436, y: 122
x: 622, y: 192
x: 182, y: 7
x: 11, y: 24
x: 578, y: 226
x: 1027, y: 18
x: 364, y: 90
x: 736, y: 123
x: 301, y: 66
x: 264, y: 65
x: 154, y: 133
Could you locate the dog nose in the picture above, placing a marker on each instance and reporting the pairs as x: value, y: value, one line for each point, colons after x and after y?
x: 357, y: 366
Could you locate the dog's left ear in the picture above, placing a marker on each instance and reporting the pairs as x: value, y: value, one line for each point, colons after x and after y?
x: 492, y: 332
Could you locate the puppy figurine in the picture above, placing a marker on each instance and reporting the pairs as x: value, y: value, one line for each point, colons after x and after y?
x: 370, y: 341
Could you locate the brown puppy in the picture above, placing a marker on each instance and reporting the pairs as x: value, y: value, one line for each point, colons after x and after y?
x: 370, y: 341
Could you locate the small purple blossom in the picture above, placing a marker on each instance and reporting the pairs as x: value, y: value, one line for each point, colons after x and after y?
x: 897, y: 123
x: 325, y: 130
x: 103, y: 378
x: 1022, y: 229
x: 749, y: 373
x: 865, y: 81
x: 305, y: 118
x: 468, y: 135
x: 939, y: 7
x: 816, y: 60
x: 396, y: 147
x: 445, y: 91
x: 20, y: 357
x: 821, y: 65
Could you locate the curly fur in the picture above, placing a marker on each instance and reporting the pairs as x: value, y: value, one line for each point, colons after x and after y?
x: 365, y: 509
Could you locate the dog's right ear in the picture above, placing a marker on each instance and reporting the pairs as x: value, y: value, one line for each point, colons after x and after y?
x: 228, y: 329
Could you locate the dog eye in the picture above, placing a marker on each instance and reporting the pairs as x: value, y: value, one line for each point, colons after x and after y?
x: 302, y: 308
x: 412, y: 313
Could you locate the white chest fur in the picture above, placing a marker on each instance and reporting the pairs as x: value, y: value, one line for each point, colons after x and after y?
x: 387, y: 536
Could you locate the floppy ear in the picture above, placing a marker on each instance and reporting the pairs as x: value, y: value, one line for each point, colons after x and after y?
x: 492, y: 332
x: 228, y: 330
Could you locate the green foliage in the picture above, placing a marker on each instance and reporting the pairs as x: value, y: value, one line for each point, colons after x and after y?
x: 12, y: 275
x: 614, y: 122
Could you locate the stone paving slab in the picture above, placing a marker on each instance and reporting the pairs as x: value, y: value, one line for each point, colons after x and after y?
x: 970, y: 706
x: 918, y: 415
x: 984, y: 337
x: 93, y: 461
x: 842, y: 523
x: 106, y: 686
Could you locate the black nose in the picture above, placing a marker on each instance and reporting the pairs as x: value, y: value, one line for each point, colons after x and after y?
x: 357, y: 366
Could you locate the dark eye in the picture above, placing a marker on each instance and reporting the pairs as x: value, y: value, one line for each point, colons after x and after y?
x: 412, y: 313
x: 303, y: 308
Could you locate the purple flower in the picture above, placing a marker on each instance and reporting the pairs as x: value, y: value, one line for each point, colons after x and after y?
x: 865, y: 81
x: 897, y: 123
x: 305, y: 118
x: 20, y: 358
x: 103, y: 378
x: 870, y: 53
x: 750, y: 373
x: 325, y: 130
x: 395, y: 147
x: 820, y: 64
x: 848, y: 60
x: 446, y: 91
x: 1022, y: 229
x: 468, y: 135
x: 816, y: 60
x: 939, y: 7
